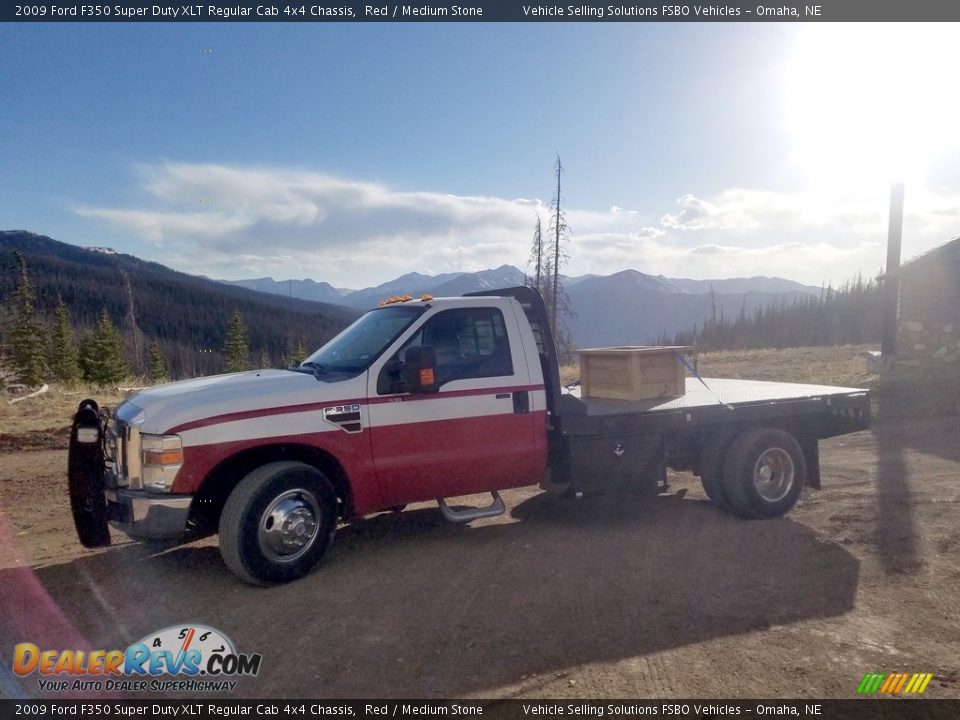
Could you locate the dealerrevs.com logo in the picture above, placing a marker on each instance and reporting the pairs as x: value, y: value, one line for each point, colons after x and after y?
x: 197, y: 657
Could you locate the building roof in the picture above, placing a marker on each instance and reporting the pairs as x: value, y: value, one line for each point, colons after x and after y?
x: 939, y: 253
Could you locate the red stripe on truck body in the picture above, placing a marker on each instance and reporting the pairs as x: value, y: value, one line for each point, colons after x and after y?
x: 306, y: 407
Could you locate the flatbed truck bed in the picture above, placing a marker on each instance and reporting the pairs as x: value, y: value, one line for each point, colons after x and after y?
x: 718, y: 401
x: 609, y: 443
x: 712, y: 393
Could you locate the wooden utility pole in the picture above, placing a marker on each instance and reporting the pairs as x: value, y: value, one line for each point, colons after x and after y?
x: 891, y: 278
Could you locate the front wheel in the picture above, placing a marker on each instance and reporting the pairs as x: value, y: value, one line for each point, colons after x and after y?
x: 764, y: 473
x: 277, y: 523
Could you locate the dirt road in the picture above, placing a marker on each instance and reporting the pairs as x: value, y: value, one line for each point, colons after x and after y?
x: 601, y: 597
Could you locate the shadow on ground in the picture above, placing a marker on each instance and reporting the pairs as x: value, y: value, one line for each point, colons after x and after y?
x: 407, y: 606
x: 897, y: 530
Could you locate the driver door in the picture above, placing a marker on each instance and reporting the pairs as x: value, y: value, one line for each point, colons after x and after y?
x: 476, y: 433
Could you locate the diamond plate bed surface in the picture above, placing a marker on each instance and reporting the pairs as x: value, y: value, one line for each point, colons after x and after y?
x: 732, y: 392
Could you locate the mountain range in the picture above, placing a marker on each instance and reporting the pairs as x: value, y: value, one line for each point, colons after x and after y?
x: 187, y: 315
x: 631, y: 308
x: 628, y: 307
x: 443, y: 285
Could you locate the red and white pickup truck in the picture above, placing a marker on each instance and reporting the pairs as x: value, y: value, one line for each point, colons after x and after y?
x: 424, y: 400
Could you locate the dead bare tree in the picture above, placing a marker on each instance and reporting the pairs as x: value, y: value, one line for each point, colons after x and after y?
x: 132, y: 330
x: 558, y: 254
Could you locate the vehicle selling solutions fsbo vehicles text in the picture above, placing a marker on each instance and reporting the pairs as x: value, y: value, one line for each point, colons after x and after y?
x: 600, y: 12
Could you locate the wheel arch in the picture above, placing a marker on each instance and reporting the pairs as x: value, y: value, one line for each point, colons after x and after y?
x: 223, y: 478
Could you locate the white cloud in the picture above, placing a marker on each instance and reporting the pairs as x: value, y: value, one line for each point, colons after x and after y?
x: 232, y: 222
x: 697, y: 214
x: 159, y: 226
x: 740, y: 209
x: 229, y: 221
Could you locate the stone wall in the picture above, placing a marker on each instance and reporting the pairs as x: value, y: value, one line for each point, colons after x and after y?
x: 917, y: 340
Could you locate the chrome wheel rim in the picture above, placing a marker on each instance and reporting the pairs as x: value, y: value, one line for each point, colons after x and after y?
x: 773, y: 474
x: 289, y: 526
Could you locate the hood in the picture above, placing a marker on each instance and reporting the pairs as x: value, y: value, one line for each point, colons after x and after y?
x: 169, y: 406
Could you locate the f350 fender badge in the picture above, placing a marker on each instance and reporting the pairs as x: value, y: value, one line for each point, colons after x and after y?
x: 346, y: 417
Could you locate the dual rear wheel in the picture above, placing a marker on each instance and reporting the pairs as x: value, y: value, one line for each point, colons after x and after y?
x: 759, y: 473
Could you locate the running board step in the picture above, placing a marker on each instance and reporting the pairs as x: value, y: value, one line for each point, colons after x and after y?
x: 469, y: 514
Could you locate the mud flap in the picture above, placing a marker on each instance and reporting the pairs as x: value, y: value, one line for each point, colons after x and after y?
x: 85, y: 469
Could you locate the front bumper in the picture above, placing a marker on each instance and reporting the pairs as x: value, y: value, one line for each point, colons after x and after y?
x: 146, y: 515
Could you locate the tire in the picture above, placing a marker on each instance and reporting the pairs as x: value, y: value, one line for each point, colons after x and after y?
x: 764, y: 473
x: 289, y: 493
x: 711, y: 470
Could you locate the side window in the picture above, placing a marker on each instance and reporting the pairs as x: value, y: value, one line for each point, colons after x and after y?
x: 469, y: 343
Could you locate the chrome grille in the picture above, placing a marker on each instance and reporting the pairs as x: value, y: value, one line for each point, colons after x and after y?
x: 125, y: 424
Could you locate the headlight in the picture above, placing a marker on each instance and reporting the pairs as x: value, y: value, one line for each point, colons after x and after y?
x: 162, y: 457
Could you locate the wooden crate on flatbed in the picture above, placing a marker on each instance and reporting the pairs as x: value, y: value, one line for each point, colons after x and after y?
x: 633, y: 373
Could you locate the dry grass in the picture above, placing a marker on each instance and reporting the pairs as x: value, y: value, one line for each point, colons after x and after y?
x: 51, y: 411
x: 845, y: 365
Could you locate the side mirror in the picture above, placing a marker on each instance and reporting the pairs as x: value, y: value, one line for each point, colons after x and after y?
x: 420, y: 369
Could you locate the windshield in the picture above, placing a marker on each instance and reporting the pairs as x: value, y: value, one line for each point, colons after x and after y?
x: 360, y: 344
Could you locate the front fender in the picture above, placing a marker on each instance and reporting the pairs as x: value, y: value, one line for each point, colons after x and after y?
x: 351, y: 451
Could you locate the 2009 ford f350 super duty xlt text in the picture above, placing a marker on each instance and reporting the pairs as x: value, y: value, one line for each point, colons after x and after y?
x: 424, y: 400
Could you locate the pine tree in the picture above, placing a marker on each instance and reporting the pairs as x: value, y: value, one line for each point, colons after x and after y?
x: 64, y: 365
x: 27, y: 338
x: 264, y: 359
x: 103, y: 357
x: 851, y: 313
x: 300, y: 354
x: 86, y: 355
x: 158, y: 363
x: 236, y: 348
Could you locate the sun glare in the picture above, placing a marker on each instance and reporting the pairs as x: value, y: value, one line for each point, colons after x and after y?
x: 872, y: 103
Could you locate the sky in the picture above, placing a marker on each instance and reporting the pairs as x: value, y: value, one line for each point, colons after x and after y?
x: 355, y: 153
